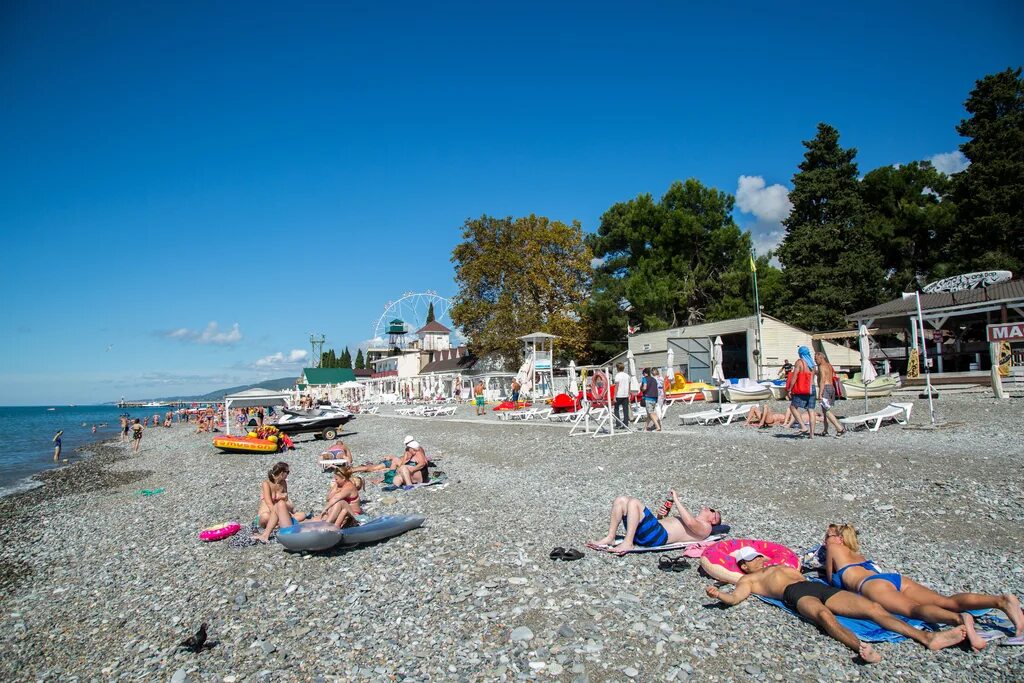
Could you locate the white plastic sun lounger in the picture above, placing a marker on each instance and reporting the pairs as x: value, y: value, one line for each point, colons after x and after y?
x: 895, y: 412
x: 659, y: 548
x: 727, y: 415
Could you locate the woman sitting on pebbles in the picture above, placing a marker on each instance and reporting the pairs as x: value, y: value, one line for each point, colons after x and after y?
x: 846, y: 568
x: 403, y: 470
x: 275, y: 509
x: 343, y: 498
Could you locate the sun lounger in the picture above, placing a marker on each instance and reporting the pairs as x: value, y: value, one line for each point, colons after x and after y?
x: 728, y: 414
x: 328, y: 464
x: 895, y: 412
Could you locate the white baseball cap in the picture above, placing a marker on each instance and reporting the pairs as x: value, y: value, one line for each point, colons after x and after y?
x: 408, y: 440
x: 413, y: 445
x: 746, y: 554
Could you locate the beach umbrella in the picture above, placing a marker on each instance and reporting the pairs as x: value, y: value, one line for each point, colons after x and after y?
x: 717, y: 373
x: 571, y: 387
x: 670, y: 365
x: 867, y: 370
x: 631, y: 363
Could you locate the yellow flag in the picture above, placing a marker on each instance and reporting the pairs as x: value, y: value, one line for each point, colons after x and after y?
x: 753, y: 266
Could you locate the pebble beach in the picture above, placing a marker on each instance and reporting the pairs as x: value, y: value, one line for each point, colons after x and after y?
x: 100, y: 582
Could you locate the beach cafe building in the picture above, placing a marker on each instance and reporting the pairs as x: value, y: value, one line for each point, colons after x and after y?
x: 752, y: 348
x: 956, y: 337
x: 324, y: 384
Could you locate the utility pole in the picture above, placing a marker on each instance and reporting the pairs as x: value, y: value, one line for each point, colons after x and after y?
x: 317, y: 344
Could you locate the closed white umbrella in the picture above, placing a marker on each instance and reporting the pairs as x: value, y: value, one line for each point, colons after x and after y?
x: 867, y: 370
x: 631, y: 362
x: 670, y: 365
x: 717, y: 373
x: 572, y: 389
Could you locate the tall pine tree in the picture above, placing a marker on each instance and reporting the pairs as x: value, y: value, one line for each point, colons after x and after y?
x: 430, y: 312
x: 830, y: 267
x: 990, y: 192
x: 346, y: 359
x: 360, y: 361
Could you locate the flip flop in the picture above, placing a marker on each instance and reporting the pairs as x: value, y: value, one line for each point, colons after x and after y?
x: 557, y: 554
x: 572, y: 554
x: 1010, y: 642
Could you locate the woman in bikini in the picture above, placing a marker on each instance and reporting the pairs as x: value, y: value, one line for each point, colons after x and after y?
x: 413, y: 469
x: 845, y: 567
x: 337, y: 451
x: 275, y: 510
x: 825, y: 377
x: 343, y: 498
x: 136, y: 436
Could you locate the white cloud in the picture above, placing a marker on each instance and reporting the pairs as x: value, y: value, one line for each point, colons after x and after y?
x: 769, y: 204
x: 211, y: 334
x: 950, y: 162
x: 282, y: 360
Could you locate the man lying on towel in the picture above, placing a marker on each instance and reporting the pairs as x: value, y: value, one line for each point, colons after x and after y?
x: 645, y: 529
x: 820, y: 603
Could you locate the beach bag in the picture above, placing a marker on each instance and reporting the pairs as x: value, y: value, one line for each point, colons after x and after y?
x: 802, y: 384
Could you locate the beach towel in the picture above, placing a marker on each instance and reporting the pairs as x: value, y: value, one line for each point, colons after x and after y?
x: 870, y: 632
x: 709, y: 541
x: 436, y: 481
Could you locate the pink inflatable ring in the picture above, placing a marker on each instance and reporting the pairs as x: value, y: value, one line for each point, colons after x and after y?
x: 719, y: 562
x: 219, y: 532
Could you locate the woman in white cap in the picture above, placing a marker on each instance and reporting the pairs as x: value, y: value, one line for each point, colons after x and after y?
x: 413, y: 469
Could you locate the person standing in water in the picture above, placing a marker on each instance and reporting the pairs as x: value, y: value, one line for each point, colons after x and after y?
x: 56, y: 445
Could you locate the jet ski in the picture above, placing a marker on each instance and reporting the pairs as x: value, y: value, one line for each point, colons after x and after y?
x: 325, y: 422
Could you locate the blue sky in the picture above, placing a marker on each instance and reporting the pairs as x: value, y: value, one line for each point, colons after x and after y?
x: 170, y: 171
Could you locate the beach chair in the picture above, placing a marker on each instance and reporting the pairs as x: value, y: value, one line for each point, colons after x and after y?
x: 447, y: 411
x: 894, y: 412
x: 729, y: 413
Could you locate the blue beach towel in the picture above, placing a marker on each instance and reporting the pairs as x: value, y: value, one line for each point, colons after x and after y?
x: 868, y: 631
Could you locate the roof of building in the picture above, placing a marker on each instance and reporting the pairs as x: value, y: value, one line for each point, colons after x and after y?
x: 433, y: 326
x: 994, y: 294
x: 316, y: 376
x: 363, y: 372
x: 458, y: 359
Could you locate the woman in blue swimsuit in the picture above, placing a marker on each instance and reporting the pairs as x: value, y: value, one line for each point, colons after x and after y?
x: 845, y: 567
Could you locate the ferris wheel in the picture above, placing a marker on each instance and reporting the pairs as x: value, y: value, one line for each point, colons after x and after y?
x: 411, y: 308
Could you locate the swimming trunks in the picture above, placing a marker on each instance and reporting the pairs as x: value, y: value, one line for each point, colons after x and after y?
x: 650, y: 533
x: 807, y: 589
x: 479, y: 400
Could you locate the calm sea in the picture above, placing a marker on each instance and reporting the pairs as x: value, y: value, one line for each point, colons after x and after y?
x: 28, y: 437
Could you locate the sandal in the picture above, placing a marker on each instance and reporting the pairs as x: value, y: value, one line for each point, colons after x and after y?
x: 572, y: 554
x: 557, y: 554
x: 673, y: 564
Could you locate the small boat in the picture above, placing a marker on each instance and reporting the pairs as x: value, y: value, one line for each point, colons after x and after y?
x: 681, y: 389
x: 324, y: 421
x: 877, y: 388
x: 746, y: 390
x: 246, y: 444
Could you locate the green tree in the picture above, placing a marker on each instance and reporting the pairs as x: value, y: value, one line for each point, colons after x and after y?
x: 328, y: 359
x: 430, y: 312
x: 360, y: 361
x: 990, y: 192
x: 346, y: 359
x: 909, y: 212
x: 520, y: 275
x: 830, y: 266
x: 678, y: 261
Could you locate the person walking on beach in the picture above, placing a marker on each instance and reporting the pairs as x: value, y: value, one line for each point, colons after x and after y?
x: 516, y: 386
x: 800, y: 388
x: 825, y: 375
x: 622, y: 395
x: 478, y: 394
x: 136, y: 435
x: 649, y: 390
x: 56, y: 445
x: 124, y: 428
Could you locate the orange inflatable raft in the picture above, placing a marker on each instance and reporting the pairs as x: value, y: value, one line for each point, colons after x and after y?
x: 246, y: 444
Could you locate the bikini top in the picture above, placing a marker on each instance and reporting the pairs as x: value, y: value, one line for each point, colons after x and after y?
x: 837, y: 576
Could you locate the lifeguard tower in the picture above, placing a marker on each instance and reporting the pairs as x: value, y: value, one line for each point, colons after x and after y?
x: 396, y: 334
x: 539, y: 351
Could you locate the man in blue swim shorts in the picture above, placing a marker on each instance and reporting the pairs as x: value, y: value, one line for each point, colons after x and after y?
x: 647, y: 530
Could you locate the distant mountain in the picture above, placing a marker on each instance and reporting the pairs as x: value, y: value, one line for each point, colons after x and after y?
x: 271, y: 384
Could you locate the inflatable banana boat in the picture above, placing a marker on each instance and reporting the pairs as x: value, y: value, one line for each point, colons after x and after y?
x: 246, y: 444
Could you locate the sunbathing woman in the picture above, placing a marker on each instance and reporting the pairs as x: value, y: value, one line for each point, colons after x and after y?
x: 414, y: 468
x: 767, y: 417
x: 343, y: 498
x: 846, y: 568
x: 275, y: 509
x: 337, y: 451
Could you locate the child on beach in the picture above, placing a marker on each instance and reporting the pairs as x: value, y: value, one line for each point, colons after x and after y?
x: 275, y: 510
x: 56, y: 445
x: 136, y: 435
